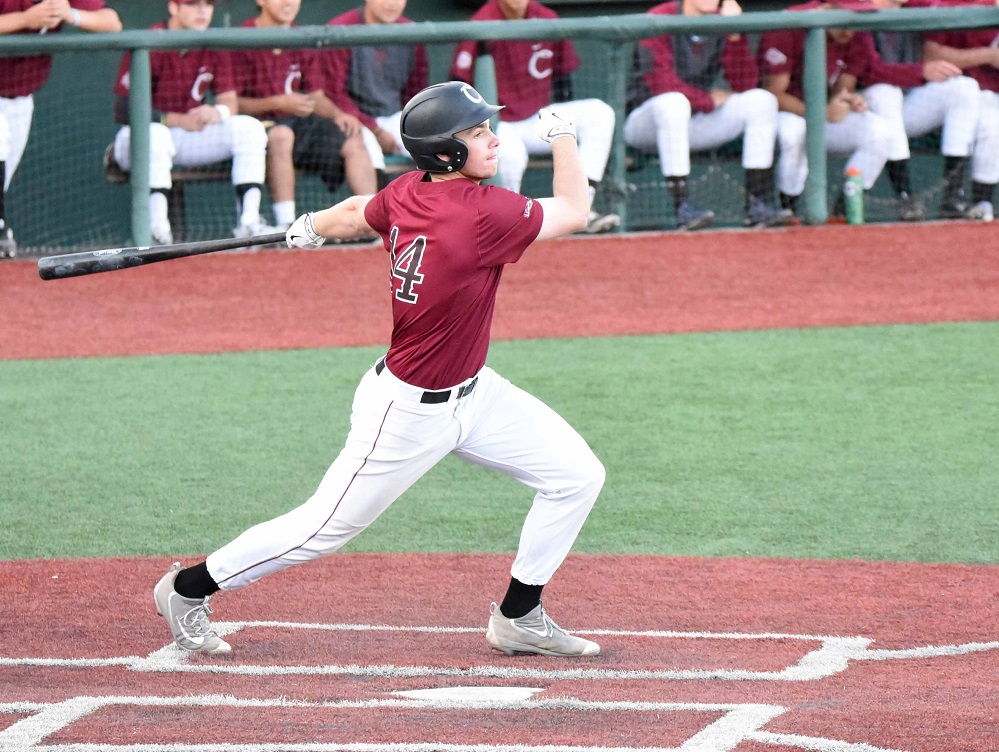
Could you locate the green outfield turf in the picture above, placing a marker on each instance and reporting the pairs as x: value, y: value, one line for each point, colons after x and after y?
x: 874, y: 443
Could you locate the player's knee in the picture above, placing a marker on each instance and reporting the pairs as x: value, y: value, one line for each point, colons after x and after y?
x: 247, y: 132
x: 597, y: 474
x: 513, y: 156
x: 760, y: 102
x: 280, y: 140
x: 791, y: 134
x: 160, y: 140
x: 963, y: 88
x: 588, y: 474
x: 354, y: 148
x: 879, y: 132
x: 600, y: 113
x: 884, y: 98
x: 671, y: 108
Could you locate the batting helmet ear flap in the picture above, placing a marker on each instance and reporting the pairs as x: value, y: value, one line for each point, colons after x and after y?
x: 432, y: 117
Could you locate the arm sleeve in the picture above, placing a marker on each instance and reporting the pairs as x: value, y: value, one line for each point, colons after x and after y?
x: 776, y: 53
x: 224, y: 78
x: 877, y: 71
x: 419, y: 76
x: 463, y: 63
x: 740, y: 65
x: 376, y: 213
x: 507, y: 224
x: 336, y: 71
x: 664, y: 78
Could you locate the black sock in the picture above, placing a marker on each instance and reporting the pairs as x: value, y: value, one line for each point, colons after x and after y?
x: 520, y: 599
x: 898, y: 174
x: 759, y: 185
x: 787, y: 201
x: 955, y: 169
x: 195, y: 582
x: 241, y: 190
x: 677, y: 185
x: 982, y: 191
x: 3, y: 179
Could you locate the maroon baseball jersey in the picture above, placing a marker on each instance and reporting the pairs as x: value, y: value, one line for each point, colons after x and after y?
x: 181, y: 79
x: 448, y: 242
x: 986, y: 76
x: 270, y: 73
x: 784, y: 52
x: 373, y: 81
x: 878, y: 71
x: 524, y: 69
x: 20, y: 76
x: 690, y: 68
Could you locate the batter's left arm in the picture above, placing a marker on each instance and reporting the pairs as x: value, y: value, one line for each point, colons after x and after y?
x: 344, y: 220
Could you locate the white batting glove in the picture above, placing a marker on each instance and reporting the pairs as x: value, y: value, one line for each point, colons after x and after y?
x: 551, y: 126
x: 302, y: 234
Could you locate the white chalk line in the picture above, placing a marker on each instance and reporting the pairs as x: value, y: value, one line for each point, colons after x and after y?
x: 832, y: 656
x: 738, y: 723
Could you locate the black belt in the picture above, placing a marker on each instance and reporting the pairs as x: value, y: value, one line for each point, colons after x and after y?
x: 430, y: 397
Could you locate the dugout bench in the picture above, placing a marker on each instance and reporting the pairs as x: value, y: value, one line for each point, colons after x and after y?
x: 644, y: 188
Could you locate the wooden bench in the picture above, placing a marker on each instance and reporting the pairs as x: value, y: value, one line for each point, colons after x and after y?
x: 395, y: 165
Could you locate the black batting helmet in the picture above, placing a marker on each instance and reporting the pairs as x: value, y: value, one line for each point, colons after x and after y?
x: 431, y: 118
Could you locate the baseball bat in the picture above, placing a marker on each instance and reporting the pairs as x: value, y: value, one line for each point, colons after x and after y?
x: 110, y: 259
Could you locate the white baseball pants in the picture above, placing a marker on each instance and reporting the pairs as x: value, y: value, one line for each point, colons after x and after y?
x: 392, y: 124
x: 594, y: 121
x: 394, y: 440
x: 665, y: 124
x: 241, y: 138
x: 15, y: 124
x: 865, y: 137
x: 951, y: 105
x: 985, y: 161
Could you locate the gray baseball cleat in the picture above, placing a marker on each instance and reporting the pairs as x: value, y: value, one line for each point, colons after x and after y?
x: 534, y: 633
x: 690, y: 217
x: 598, y: 223
x: 982, y: 211
x: 187, y: 617
x: 8, y: 246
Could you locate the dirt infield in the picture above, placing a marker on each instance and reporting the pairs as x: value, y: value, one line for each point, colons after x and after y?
x: 366, y: 652
x: 643, y: 284
x: 717, y: 654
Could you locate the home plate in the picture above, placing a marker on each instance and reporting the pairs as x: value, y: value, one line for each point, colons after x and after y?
x: 472, y: 694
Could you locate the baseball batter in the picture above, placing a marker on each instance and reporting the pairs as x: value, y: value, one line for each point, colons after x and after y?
x: 531, y: 75
x: 432, y: 394
x: 674, y: 107
x: 186, y: 130
x: 21, y: 77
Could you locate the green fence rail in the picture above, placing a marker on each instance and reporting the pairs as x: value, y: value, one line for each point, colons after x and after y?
x: 620, y: 33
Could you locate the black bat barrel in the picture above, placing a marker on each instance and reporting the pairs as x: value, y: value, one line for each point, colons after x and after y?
x: 111, y: 259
